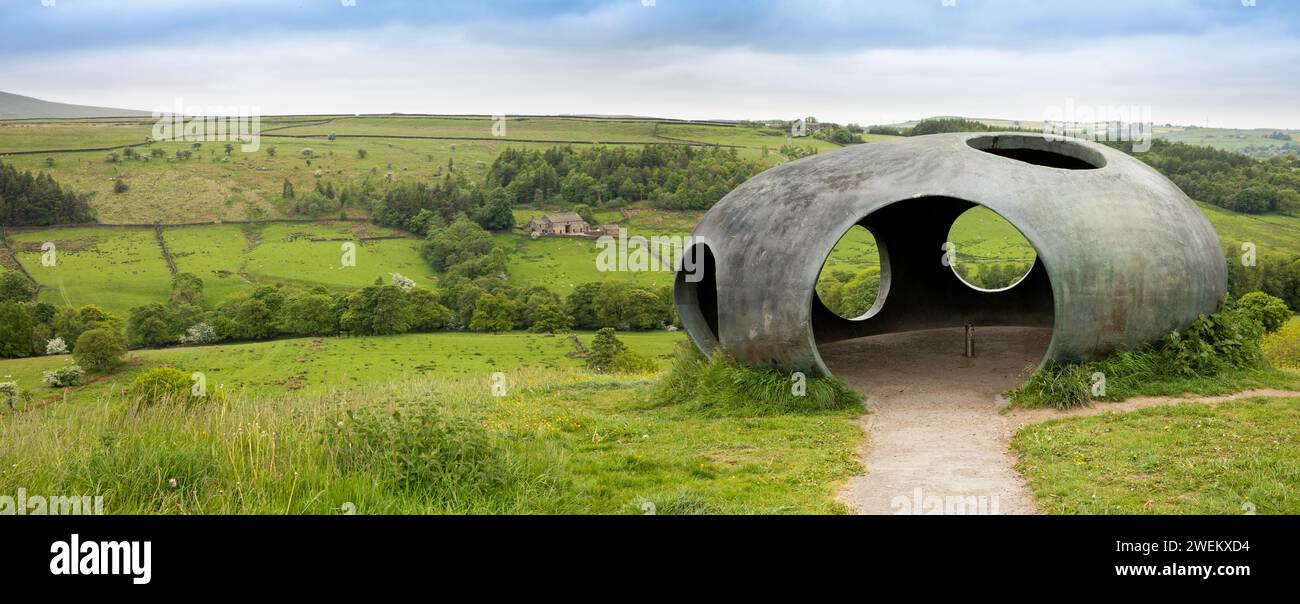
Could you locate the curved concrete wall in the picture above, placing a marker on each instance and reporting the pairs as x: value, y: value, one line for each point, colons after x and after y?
x: 1123, y: 255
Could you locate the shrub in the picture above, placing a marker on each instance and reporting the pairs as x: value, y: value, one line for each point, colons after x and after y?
x: 1269, y: 311
x: 67, y: 375
x: 1282, y: 347
x: 1225, y: 341
x: 604, y: 348
x: 200, y: 333
x: 120, y: 186
x: 721, y: 386
x: 98, y: 350
x: 9, y: 393
x: 427, y: 451
x: 56, y: 346
x: 631, y: 362
x: 162, y: 384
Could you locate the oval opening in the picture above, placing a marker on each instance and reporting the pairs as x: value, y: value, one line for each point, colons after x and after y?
x: 1040, y: 151
x: 849, y: 282
x: 988, y: 253
x: 695, y: 294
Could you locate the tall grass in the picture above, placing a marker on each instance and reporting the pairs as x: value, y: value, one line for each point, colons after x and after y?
x: 412, y: 447
x: 719, y: 386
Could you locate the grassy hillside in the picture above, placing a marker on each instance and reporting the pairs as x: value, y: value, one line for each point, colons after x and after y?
x: 316, y: 364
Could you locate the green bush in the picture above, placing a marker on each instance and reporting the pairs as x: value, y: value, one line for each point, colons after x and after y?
x: 1269, y: 311
x: 162, y: 384
x: 720, y: 386
x: 604, y: 348
x: 1225, y: 341
x: 98, y: 350
x: 1282, y: 348
x: 631, y: 362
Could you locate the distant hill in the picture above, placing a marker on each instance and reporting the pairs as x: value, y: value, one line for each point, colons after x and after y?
x: 17, y: 106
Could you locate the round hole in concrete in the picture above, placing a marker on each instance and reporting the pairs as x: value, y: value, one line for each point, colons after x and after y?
x: 988, y: 253
x: 1040, y: 151
x: 849, y: 282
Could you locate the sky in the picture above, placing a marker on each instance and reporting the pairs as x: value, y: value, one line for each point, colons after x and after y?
x: 1221, y: 63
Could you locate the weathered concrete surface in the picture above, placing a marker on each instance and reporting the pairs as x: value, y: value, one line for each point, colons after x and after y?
x: 1123, y: 255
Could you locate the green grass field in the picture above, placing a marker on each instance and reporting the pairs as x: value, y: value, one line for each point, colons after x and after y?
x: 560, y: 439
x: 115, y: 268
x: 1185, y: 459
x: 317, y: 364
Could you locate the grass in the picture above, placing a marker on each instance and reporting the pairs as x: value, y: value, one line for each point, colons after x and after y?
x: 315, y: 365
x: 286, y: 253
x: 115, y: 268
x: 1185, y: 459
x: 562, y: 263
x: 561, y: 441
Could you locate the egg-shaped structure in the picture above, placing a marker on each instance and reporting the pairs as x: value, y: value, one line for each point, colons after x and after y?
x: 1123, y: 256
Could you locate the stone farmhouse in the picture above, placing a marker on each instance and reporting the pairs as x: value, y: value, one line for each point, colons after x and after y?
x: 565, y: 223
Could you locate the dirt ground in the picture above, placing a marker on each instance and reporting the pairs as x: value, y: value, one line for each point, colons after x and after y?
x: 934, y: 423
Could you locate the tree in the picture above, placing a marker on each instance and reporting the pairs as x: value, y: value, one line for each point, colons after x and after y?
x: 377, y: 310
x: 498, y: 213
x: 98, y: 350
x: 458, y: 242
x: 427, y: 313
x: 550, y: 318
x: 270, y: 151
x: 604, y: 348
x: 14, y: 287
x: 15, y: 331
x: 493, y: 313
x: 149, y: 326
x: 187, y: 288
x: 361, y: 153
x: 308, y: 314
x: 582, y: 305
x: 286, y: 190
x: 254, y: 319
x: 584, y: 212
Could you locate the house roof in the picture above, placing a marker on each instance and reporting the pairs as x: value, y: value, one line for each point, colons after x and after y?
x: 564, y: 217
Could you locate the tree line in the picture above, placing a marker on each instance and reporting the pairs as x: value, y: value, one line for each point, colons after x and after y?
x: 28, y: 199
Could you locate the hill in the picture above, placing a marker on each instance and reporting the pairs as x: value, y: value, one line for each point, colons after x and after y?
x: 19, y: 107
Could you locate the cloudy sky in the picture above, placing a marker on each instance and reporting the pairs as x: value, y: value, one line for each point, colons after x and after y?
x: 1190, y: 61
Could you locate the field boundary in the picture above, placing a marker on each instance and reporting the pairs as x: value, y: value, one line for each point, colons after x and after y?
x: 500, y: 139
x: 162, y: 245
x: 9, y: 251
x: 172, y: 225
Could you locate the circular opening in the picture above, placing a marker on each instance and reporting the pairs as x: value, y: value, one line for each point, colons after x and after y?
x: 1040, y: 151
x: 849, y: 282
x: 695, y: 294
x: 986, y: 252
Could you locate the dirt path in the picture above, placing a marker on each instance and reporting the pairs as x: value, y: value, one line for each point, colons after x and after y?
x: 934, y: 429
x: 936, y: 434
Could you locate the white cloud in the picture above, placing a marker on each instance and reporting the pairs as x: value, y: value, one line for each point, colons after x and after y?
x: 1231, y: 77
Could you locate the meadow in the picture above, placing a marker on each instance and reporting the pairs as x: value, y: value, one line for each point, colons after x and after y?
x: 1185, y: 459
x: 559, y: 440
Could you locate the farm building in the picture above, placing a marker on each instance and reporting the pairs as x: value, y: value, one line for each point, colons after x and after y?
x: 566, y: 223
